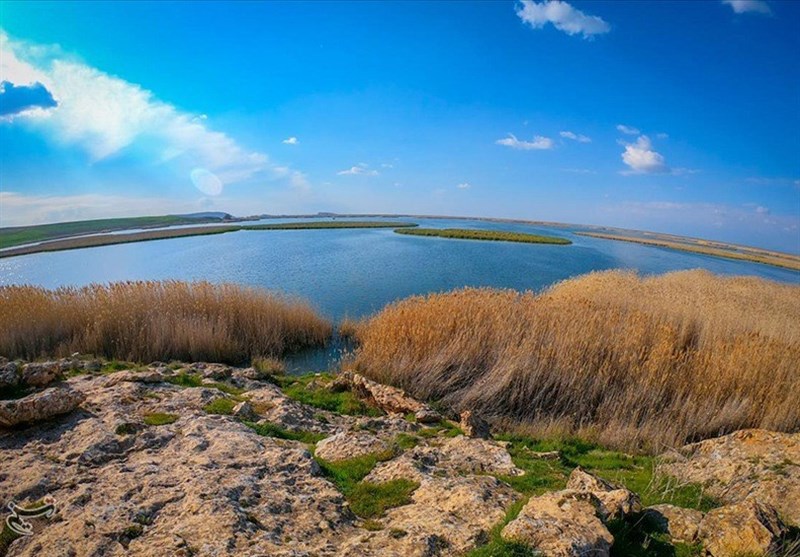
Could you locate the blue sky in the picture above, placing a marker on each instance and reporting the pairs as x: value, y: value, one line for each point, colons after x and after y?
x: 679, y: 117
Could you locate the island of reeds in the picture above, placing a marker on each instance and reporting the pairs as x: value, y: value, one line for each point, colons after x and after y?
x: 486, y: 235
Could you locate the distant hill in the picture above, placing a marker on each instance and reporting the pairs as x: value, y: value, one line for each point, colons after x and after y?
x: 208, y: 215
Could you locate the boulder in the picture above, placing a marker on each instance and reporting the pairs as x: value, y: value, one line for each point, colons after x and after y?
x: 751, y: 462
x: 616, y: 501
x: 348, y: 445
x: 212, y: 371
x: 40, y: 374
x: 150, y: 376
x: 474, y: 425
x: 39, y: 406
x: 244, y: 411
x: 746, y: 528
x: 561, y: 524
x: 682, y: 525
x: 389, y: 399
x: 428, y: 416
x: 9, y: 375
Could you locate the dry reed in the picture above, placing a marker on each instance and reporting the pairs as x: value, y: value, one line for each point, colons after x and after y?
x: 146, y: 321
x: 627, y: 361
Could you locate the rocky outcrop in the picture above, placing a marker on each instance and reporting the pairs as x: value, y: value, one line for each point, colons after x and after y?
x: 39, y: 406
x: 746, y: 528
x: 473, y: 425
x: 389, y: 399
x: 681, y: 525
x: 758, y: 463
x: 562, y: 524
x: 350, y: 444
x: 615, y: 501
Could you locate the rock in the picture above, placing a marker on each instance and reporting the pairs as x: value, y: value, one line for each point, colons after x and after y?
x: 39, y: 406
x: 9, y: 375
x: 212, y: 371
x: 149, y: 376
x: 427, y: 416
x: 682, y: 525
x: 349, y: 444
x: 389, y: 399
x: 561, y: 524
x: 446, y: 516
x: 40, y: 374
x: 749, y: 527
x: 616, y: 501
x: 474, y: 426
x: 250, y: 373
x: 244, y: 411
x: 751, y: 462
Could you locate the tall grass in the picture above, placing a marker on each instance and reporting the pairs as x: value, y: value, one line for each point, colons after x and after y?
x: 146, y: 321
x: 627, y: 361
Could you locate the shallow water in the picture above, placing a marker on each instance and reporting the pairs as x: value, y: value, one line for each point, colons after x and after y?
x: 356, y: 272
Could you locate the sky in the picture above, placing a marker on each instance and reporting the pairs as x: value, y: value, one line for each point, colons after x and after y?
x: 679, y: 117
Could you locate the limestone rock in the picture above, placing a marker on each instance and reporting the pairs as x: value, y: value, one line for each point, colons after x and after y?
x: 212, y: 371
x: 427, y: 416
x: 244, y: 411
x: 755, y: 462
x: 40, y: 374
x: 748, y: 528
x: 682, y: 525
x: 616, y: 501
x: 561, y: 524
x: 474, y: 426
x: 9, y: 374
x: 389, y: 399
x: 135, y: 377
x: 39, y: 406
x: 349, y: 444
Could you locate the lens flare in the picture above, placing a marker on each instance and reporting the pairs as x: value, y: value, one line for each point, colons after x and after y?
x: 206, y: 181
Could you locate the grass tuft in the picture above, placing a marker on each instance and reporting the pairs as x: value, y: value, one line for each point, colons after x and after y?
x: 272, y: 430
x: 160, y: 418
x: 220, y: 406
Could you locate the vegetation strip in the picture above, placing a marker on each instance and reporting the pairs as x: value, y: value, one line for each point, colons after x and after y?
x: 785, y: 261
x: 149, y: 235
x: 488, y: 235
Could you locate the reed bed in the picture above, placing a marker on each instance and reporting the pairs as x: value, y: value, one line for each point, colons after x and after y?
x: 485, y: 235
x: 146, y: 321
x: 631, y: 362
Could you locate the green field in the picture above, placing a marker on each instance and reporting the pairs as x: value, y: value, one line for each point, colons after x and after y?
x: 487, y: 235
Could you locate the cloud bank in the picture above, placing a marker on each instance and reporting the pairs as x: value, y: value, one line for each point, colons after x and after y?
x: 106, y: 116
x: 575, y: 137
x: 562, y: 16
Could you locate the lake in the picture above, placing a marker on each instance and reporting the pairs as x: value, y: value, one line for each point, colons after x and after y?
x: 356, y: 272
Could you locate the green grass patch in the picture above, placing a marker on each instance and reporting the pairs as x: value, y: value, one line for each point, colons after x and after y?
x: 160, y: 418
x: 487, y: 235
x: 310, y: 389
x: 227, y: 389
x: 272, y: 430
x: 497, y: 546
x: 184, y: 379
x: 370, y: 500
x: 220, y: 406
x: 445, y: 428
x: 367, y: 499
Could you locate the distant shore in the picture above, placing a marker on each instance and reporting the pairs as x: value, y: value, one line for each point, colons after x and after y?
x: 715, y: 249
x: 169, y: 233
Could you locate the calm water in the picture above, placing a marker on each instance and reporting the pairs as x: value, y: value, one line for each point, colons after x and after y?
x: 356, y: 272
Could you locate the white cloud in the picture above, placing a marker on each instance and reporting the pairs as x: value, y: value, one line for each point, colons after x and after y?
x: 627, y: 129
x: 290, y: 141
x: 361, y: 169
x: 642, y: 159
x: 464, y: 186
x: 575, y: 137
x: 563, y: 17
x: 745, y: 6
x: 538, y: 142
x: 662, y: 135
x: 107, y: 116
